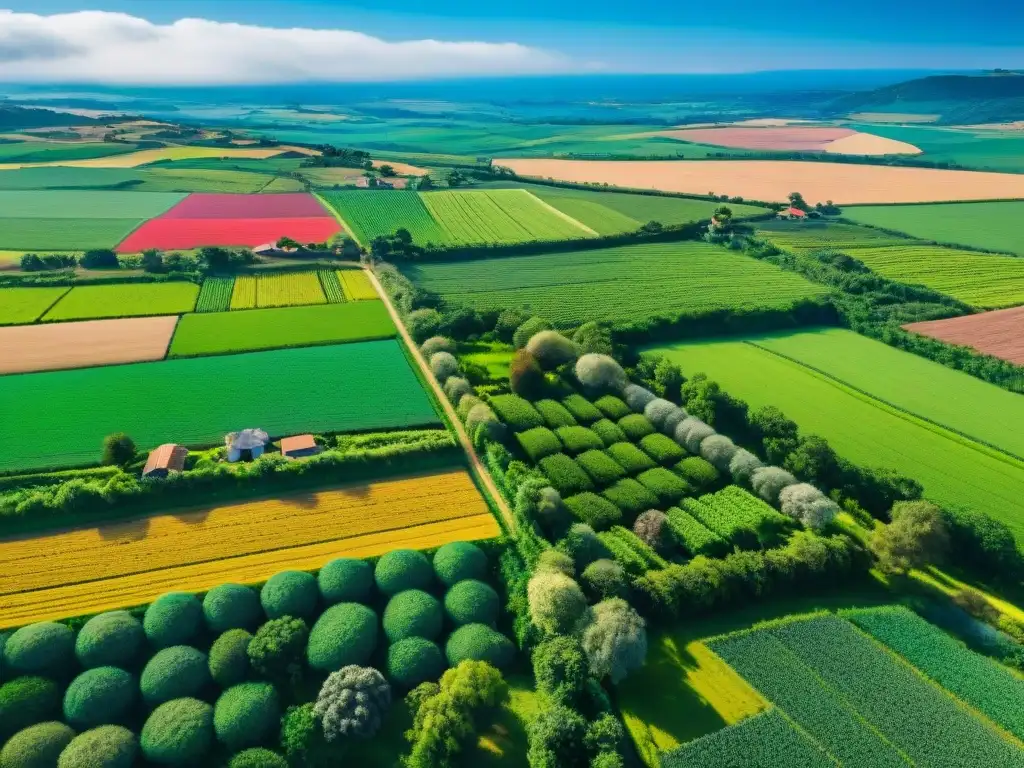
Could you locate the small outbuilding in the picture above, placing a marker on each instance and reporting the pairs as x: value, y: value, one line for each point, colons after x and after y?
x: 792, y: 213
x: 299, y: 447
x: 165, y: 459
x: 249, y: 443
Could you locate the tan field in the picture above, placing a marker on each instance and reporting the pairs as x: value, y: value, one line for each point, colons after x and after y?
x: 869, y: 144
x: 25, y: 348
x: 774, y: 180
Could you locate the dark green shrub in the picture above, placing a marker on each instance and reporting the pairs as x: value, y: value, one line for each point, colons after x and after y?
x: 109, y: 746
x: 174, y: 673
x: 579, y: 439
x: 412, y: 613
x: 178, y: 732
x: 344, y: 634
x: 290, y: 593
x: 662, y: 449
x: 110, y: 639
x: 245, y: 715
x: 581, y: 409
x: 591, y: 509
x: 118, y: 448
x: 697, y: 472
x: 609, y: 432
x: 100, y: 696
x: 538, y: 443
x: 46, y: 648
x: 527, y: 330
x: 279, y: 648
x: 3, y: 642
x: 555, y: 414
x: 668, y: 487
x: 37, y: 746
x: 525, y: 376
x: 601, y: 468
x: 25, y: 701
x: 173, y: 619
x: 231, y: 606
x: 561, y: 669
x: 229, y: 658
x: 460, y: 560
x: 472, y: 602
x: 415, y: 660
x: 636, y: 426
x: 603, y: 579
x: 612, y: 407
x: 516, y: 412
x: 403, y: 569
x: 479, y: 643
x: 345, y: 580
x: 565, y: 474
x: 257, y: 757
x: 582, y: 545
x: 303, y: 741
x: 631, y: 497
x: 630, y: 458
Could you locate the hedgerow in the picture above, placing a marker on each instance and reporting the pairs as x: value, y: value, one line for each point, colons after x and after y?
x: 528, y: 330
x: 612, y: 407
x: 472, y: 602
x: 768, y: 482
x: 742, y: 466
x: 178, y: 732
x: 412, y: 613
x: 456, y: 387
x: 637, y: 397
x: 719, y: 450
x: 636, y: 426
x: 344, y: 634
x: 581, y: 409
x: 565, y: 474
x: 37, y: 746
x: 246, y: 714
x: 609, y: 432
x: 631, y: 561
x: 231, y: 606
x: 112, y: 638
x: 668, y: 487
x: 403, y: 569
x: 662, y: 449
x: 415, y: 660
x: 479, y: 642
x: 172, y: 619
x: 697, y: 472
x: 45, y: 648
x: 99, y: 696
x: 25, y: 701
x: 516, y: 412
x: 664, y: 415
x: 603, y: 470
x: 437, y: 344
x: 593, y: 510
x: 691, y: 433
x: 174, y: 673
x: 555, y: 414
x: 630, y: 458
x: 290, y: 593
x: 631, y: 497
x: 538, y: 443
x: 626, y: 538
x: 443, y: 365
x: 695, y: 537
x: 229, y: 658
x: 579, y: 439
x: 345, y: 580
x: 109, y: 746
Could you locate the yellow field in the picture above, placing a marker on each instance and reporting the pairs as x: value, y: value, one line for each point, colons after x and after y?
x: 356, y: 285
x: 146, y: 156
x: 244, y: 294
x: 289, y: 289
x: 129, y: 563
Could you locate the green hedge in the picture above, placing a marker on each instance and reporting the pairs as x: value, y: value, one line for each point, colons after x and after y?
x: 100, y: 696
x: 582, y: 409
x: 229, y: 657
x: 232, y: 606
x: 472, y: 602
x: 45, y: 648
x: 565, y: 475
x: 174, y: 673
x: 415, y: 660
x: 593, y: 510
x: 612, y: 407
x: 479, y: 643
x: 603, y: 470
x: 516, y: 412
x: 695, y: 537
x: 459, y: 560
x: 579, y: 439
x: 37, y: 746
x: 668, y: 487
x: 636, y: 426
x: 109, y: 746
x: 344, y: 634
x: 290, y: 593
x: 246, y: 715
x: 631, y: 497
x: 609, y: 432
x: 662, y: 449
x: 630, y: 458
x: 538, y: 443
x: 412, y: 613
x: 257, y: 757
x: 173, y: 619
x: 26, y: 701
x: 555, y: 414
x: 178, y: 732
x: 403, y: 569
x: 697, y: 472
x: 345, y: 580
x: 109, y: 639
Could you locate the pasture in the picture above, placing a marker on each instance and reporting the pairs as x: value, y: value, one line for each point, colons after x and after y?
x: 999, y: 333
x: 129, y: 563
x: 87, y: 302
x: 26, y: 305
x: 47, y: 152
x: 159, y: 179
x: 379, y: 212
x: 197, y: 401
x: 968, y: 147
x: 992, y: 226
x: 572, y: 288
x: 214, y: 333
x: 184, y: 234
x: 63, y: 234
x: 808, y: 237
x: 86, y: 156
x: 499, y: 217
x: 53, y: 346
x: 87, y: 204
x: 953, y: 469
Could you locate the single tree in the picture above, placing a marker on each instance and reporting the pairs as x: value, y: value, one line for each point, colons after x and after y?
x: 118, y: 449
x: 917, y: 536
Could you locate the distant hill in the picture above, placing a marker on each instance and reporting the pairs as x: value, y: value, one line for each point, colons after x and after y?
x: 959, y: 99
x: 18, y: 118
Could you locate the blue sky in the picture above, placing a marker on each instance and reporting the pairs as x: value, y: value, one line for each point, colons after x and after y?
x: 646, y: 35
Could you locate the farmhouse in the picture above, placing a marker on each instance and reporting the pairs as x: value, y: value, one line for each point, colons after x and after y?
x: 168, y: 458
x: 248, y: 441
x: 299, y: 446
x: 793, y: 214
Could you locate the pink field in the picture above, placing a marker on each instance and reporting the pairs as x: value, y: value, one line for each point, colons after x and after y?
x: 182, y: 234
x: 791, y: 138
x: 282, y: 206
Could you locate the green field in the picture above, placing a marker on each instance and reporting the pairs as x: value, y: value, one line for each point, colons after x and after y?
x: 19, y: 306
x: 63, y: 234
x: 992, y: 226
x: 155, y: 179
x: 91, y: 302
x: 47, y: 152
x: 375, y: 213
x: 972, y: 148
x: 241, y: 331
x: 85, y: 204
x: 952, y: 469
x: 498, y: 216
x: 624, y: 285
x: 808, y: 237
x: 60, y: 418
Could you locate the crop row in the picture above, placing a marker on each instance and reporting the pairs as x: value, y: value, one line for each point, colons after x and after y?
x: 356, y: 285
x: 284, y: 289
x: 215, y: 294
x: 500, y: 216
x: 331, y: 286
x: 737, y: 516
x: 381, y: 212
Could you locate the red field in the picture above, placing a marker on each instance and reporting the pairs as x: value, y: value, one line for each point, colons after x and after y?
x: 283, y: 206
x: 1000, y: 333
x: 182, y: 234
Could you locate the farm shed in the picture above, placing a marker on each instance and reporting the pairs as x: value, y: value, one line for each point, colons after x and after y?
x: 299, y: 446
x: 169, y: 457
x: 251, y: 441
x: 792, y: 213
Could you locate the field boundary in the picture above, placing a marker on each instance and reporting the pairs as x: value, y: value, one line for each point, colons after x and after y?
x: 562, y: 214
x: 337, y: 215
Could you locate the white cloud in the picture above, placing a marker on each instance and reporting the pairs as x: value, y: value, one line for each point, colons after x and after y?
x: 101, y: 47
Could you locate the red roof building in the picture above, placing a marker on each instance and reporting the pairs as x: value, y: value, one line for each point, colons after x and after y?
x: 299, y: 446
x: 164, y: 460
x: 793, y: 213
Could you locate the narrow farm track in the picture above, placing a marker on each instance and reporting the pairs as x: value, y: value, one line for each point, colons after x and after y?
x: 478, y: 468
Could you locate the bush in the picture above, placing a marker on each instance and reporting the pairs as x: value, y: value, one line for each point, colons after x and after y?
x: 345, y: 580
x: 412, y: 613
x: 609, y: 432
x: 472, y: 602
x: 983, y: 544
x: 479, y: 416
x: 631, y: 497
x: 636, y: 426
x: 278, y: 648
x: 601, y: 468
x: 174, y: 673
x: 579, y: 439
x: 528, y: 330
x: 118, y: 449
x: 178, y: 732
x: 172, y: 619
x: 257, y: 757
x: 719, y: 450
x: 698, y: 472
x: 460, y: 560
x: 466, y: 404
x: 403, y: 569
x: 612, y: 407
x: 551, y: 349
x: 565, y: 474
x: 600, y: 373
x: 516, y: 412
x: 605, y: 578
x: 25, y: 701
x: 290, y: 593
x: 443, y: 365
x: 663, y: 414
x: 525, y: 376
x: 415, y: 660
x: 615, y: 641
x: 557, y: 604
x: 539, y: 442
x: 694, y: 536
x: 600, y: 514
x: 637, y: 397
x: 807, y: 504
x: 582, y: 544
x: 456, y: 387
x: 581, y: 409
x: 44, y: 648
x: 651, y: 527
x: 555, y: 414
x: 245, y: 715
x: 691, y: 433
x: 231, y: 606
x: 630, y: 458
x: 344, y: 634
x: 561, y: 670
x: 593, y: 337
x: 37, y: 746
x: 508, y: 321
x: 109, y: 639
x: 353, y: 703
x: 109, y: 746
x: 437, y: 344
x: 423, y: 323
x: 742, y: 466
x: 302, y: 740
x: 100, y: 696
x: 229, y: 658
x: 478, y: 642
x: 768, y: 482
x: 662, y: 449
x: 664, y: 484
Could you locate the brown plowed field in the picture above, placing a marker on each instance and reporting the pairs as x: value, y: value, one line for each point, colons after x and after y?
x: 999, y: 333
x: 773, y: 180
x: 55, y: 346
